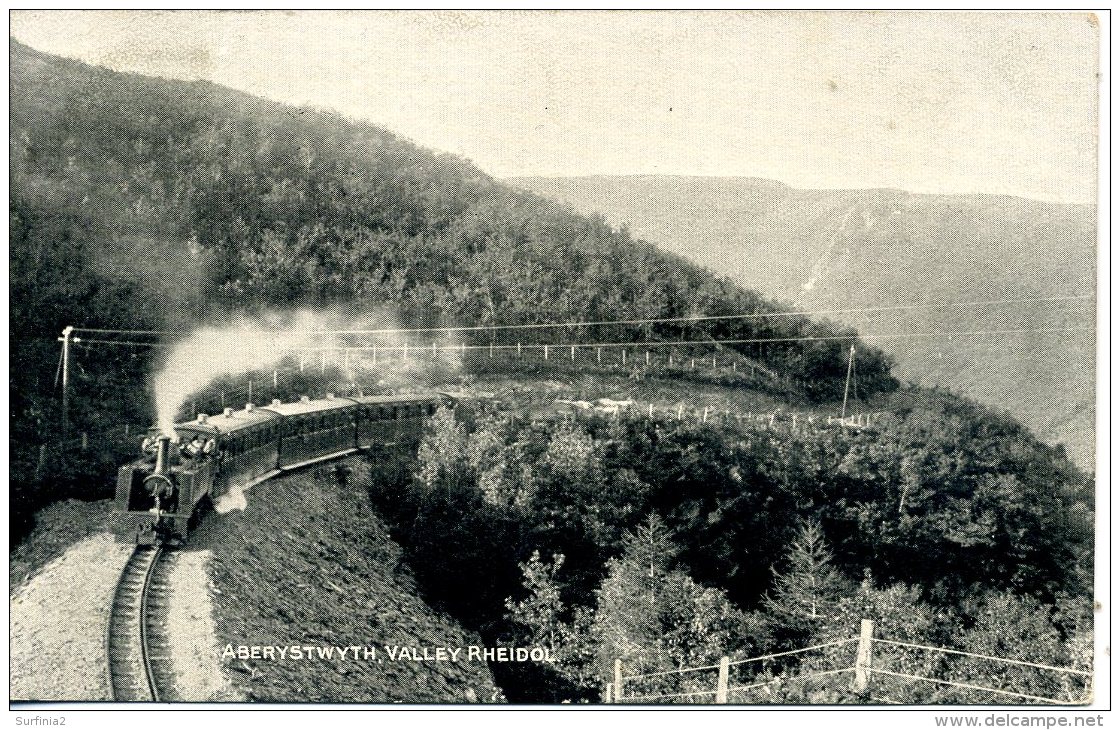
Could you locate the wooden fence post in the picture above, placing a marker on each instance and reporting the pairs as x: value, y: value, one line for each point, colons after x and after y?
x: 85, y: 440
x: 573, y: 353
x: 624, y: 356
x: 126, y: 430
x: 374, y: 351
x: 651, y: 410
x: 607, y: 693
x: 721, y: 683
x: 647, y: 358
x: 491, y: 350
x: 598, y: 354
x: 863, y: 655
x: 546, y: 352
x: 618, y: 680
x: 519, y: 349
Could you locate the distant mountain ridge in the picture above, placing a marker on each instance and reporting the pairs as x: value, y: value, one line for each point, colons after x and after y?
x: 850, y: 249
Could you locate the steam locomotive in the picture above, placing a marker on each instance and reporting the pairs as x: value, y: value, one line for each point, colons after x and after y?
x: 158, y: 495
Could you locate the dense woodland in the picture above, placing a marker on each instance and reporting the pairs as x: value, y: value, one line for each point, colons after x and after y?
x: 668, y: 544
x: 150, y: 204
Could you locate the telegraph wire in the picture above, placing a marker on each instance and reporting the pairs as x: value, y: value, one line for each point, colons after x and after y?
x: 651, y: 320
x: 647, y: 343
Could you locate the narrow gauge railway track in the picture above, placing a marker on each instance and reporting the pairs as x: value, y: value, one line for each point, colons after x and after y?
x: 137, y: 644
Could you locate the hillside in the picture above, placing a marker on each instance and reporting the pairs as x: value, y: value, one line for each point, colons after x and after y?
x: 167, y: 204
x: 845, y: 249
x: 142, y: 203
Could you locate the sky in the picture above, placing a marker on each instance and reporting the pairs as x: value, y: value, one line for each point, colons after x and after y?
x: 933, y: 102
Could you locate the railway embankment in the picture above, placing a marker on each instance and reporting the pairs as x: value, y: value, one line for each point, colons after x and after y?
x: 313, y: 604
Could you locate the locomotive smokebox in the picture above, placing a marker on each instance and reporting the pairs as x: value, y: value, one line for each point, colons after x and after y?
x: 158, y: 483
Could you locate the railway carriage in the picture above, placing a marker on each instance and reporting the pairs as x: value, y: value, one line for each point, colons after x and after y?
x: 158, y: 495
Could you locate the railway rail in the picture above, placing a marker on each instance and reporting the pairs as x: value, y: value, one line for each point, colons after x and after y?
x: 137, y: 644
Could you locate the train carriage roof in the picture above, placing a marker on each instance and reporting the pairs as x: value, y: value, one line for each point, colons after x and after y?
x: 223, y: 424
x: 230, y: 421
x: 301, y: 407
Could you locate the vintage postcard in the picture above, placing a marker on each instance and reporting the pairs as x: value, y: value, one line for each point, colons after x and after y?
x: 618, y: 359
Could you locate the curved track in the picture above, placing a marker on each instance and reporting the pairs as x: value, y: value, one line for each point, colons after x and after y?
x: 139, y: 659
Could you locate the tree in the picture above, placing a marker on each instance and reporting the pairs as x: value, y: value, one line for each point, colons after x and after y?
x: 805, y: 595
x: 654, y: 618
x: 540, y: 621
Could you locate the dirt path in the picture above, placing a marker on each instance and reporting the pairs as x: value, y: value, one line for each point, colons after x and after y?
x: 58, y: 620
x: 190, y: 625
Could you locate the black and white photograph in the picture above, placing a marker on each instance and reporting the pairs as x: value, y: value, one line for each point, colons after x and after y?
x: 559, y: 359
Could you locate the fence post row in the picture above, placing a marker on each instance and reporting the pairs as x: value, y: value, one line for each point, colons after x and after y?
x: 863, y: 655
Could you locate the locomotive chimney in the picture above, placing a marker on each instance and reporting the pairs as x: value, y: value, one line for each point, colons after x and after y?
x: 163, y: 447
x: 158, y: 483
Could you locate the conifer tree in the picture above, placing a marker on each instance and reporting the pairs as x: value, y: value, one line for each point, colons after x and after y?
x: 804, y: 594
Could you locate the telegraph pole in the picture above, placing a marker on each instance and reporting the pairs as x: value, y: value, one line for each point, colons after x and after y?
x: 65, y: 340
x: 847, y: 382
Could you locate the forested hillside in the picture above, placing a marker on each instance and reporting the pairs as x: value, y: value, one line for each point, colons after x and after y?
x: 853, y: 249
x: 143, y: 203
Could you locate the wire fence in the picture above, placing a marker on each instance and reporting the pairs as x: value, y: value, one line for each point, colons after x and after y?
x: 880, y: 675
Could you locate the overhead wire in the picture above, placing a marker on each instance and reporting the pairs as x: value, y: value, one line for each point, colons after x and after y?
x: 646, y: 343
x: 647, y: 320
